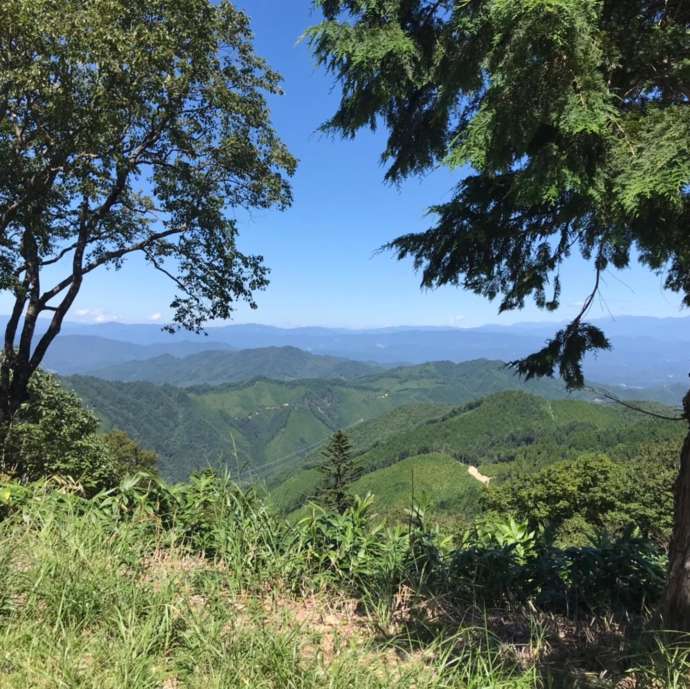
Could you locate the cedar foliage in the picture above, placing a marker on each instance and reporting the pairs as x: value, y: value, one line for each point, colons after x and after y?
x: 339, y: 472
x: 569, y: 120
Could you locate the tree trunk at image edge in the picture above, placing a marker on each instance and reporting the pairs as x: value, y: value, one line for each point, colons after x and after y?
x: 677, y: 604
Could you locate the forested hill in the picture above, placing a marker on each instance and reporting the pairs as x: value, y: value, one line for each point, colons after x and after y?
x: 217, y: 367
x: 267, y: 425
x: 505, y: 434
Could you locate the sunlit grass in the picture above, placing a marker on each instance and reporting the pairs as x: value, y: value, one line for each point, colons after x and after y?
x: 209, y: 590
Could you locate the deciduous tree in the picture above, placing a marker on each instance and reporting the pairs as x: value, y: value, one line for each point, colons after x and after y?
x: 52, y: 434
x: 128, y: 127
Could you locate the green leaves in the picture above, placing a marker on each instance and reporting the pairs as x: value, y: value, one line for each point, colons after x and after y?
x: 565, y: 352
x: 572, y: 117
x: 125, y: 128
x: 591, y: 493
x: 54, y: 435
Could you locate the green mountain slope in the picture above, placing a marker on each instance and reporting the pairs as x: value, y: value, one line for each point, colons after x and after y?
x: 265, y: 426
x: 435, y: 481
x: 505, y: 433
x: 217, y: 367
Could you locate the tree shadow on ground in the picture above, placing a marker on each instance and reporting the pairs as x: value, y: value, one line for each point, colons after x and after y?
x: 594, y: 652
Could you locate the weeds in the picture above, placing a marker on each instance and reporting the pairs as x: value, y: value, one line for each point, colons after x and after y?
x: 200, y: 585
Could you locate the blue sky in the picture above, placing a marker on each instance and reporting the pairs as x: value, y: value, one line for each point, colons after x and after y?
x: 321, y: 251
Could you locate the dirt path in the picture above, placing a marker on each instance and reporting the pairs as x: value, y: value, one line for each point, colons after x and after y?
x: 475, y: 473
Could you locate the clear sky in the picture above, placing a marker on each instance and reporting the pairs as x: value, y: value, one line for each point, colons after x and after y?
x: 321, y: 251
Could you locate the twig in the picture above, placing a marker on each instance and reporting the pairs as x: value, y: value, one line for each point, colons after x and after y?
x: 614, y: 398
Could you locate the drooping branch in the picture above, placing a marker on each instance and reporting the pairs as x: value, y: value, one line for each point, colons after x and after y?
x: 161, y: 269
x: 607, y: 394
x: 590, y: 297
x: 568, y: 347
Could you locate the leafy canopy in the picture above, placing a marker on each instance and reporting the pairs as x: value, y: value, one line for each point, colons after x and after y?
x: 578, y: 497
x: 569, y: 119
x: 123, y: 121
x: 130, y: 127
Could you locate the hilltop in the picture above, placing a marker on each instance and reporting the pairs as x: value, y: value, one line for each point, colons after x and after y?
x: 266, y: 425
x: 217, y: 367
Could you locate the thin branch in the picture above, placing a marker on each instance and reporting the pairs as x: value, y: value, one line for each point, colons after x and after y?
x: 614, y: 398
x: 61, y: 254
x: 588, y: 302
x: 109, y: 256
x: 165, y: 272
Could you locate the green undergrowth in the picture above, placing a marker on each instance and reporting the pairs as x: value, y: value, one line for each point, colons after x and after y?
x: 201, y: 585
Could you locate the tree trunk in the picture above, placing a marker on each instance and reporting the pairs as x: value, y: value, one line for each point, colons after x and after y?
x: 677, y: 603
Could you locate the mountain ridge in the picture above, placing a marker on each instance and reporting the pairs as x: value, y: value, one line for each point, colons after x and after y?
x: 256, y: 422
x: 218, y: 367
x: 646, y: 352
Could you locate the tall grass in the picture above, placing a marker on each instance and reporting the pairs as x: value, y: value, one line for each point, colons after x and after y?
x: 200, y: 585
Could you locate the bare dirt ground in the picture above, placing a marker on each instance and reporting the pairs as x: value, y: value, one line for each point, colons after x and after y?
x: 475, y: 473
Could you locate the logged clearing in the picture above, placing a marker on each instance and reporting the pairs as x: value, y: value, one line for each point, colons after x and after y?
x: 475, y: 473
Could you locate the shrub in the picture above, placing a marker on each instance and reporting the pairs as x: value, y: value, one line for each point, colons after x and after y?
x: 496, y: 561
x: 504, y: 561
x: 576, y: 498
x: 52, y: 434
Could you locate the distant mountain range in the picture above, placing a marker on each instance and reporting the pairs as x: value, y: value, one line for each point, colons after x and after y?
x: 82, y: 353
x: 215, y: 368
x: 647, y: 351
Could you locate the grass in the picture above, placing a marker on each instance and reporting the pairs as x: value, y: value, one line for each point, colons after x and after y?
x: 152, y: 587
x: 435, y: 480
x: 86, y: 607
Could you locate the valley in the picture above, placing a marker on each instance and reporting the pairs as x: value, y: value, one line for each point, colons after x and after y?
x: 263, y: 426
x: 421, y: 432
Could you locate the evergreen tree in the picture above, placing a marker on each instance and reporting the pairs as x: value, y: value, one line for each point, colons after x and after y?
x: 569, y: 122
x: 339, y: 472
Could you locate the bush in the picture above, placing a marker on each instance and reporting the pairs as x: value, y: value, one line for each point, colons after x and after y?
x: 52, y: 434
x: 505, y: 561
x: 345, y: 548
x: 577, y: 498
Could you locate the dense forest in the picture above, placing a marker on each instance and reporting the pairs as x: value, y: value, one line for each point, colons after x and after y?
x: 266, y: 424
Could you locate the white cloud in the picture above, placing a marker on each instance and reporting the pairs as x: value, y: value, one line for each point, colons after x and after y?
x: 156, y: 316
x: 95, y: 315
